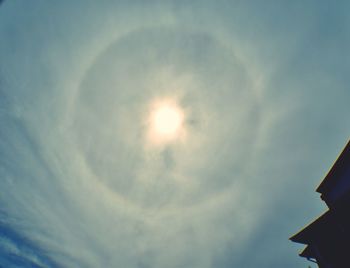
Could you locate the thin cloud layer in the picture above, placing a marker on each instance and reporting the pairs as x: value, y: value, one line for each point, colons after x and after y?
x: 82, y: 184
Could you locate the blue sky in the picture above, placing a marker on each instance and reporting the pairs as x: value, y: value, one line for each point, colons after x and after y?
x: 264, y: 87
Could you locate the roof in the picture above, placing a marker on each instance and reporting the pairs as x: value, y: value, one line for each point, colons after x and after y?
x: 307, y: 253
x: 313, y: 230
x: 334, y: 174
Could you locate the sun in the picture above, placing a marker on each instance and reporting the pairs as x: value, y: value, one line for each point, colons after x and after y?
x: 166, y: 122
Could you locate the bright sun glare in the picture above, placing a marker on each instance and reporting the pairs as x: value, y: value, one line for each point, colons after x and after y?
x: 166, y: 122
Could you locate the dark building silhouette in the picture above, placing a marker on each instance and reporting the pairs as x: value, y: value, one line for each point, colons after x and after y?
x: 328, y: 237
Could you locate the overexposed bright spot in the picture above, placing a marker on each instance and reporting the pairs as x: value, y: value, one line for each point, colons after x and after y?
x: 165, y: 122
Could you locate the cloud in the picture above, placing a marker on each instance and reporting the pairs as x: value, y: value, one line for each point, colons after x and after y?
x: 80, y: 181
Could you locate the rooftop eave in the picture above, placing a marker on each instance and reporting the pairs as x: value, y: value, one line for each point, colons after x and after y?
x: 307, y: 234
x: 332, y: 176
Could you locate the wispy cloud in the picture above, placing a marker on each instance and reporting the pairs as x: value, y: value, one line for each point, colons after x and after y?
x: 80, y: 184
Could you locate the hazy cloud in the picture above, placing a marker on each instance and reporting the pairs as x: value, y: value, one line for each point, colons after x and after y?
x: 265, y: 92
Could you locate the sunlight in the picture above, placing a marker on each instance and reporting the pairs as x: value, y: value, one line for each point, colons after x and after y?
x: 166, y: 122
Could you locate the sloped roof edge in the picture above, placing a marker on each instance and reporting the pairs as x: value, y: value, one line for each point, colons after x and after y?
x: 307, y: 234
x: 334, y: 173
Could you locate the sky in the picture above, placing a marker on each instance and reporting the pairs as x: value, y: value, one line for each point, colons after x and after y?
x: 263, y: 88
